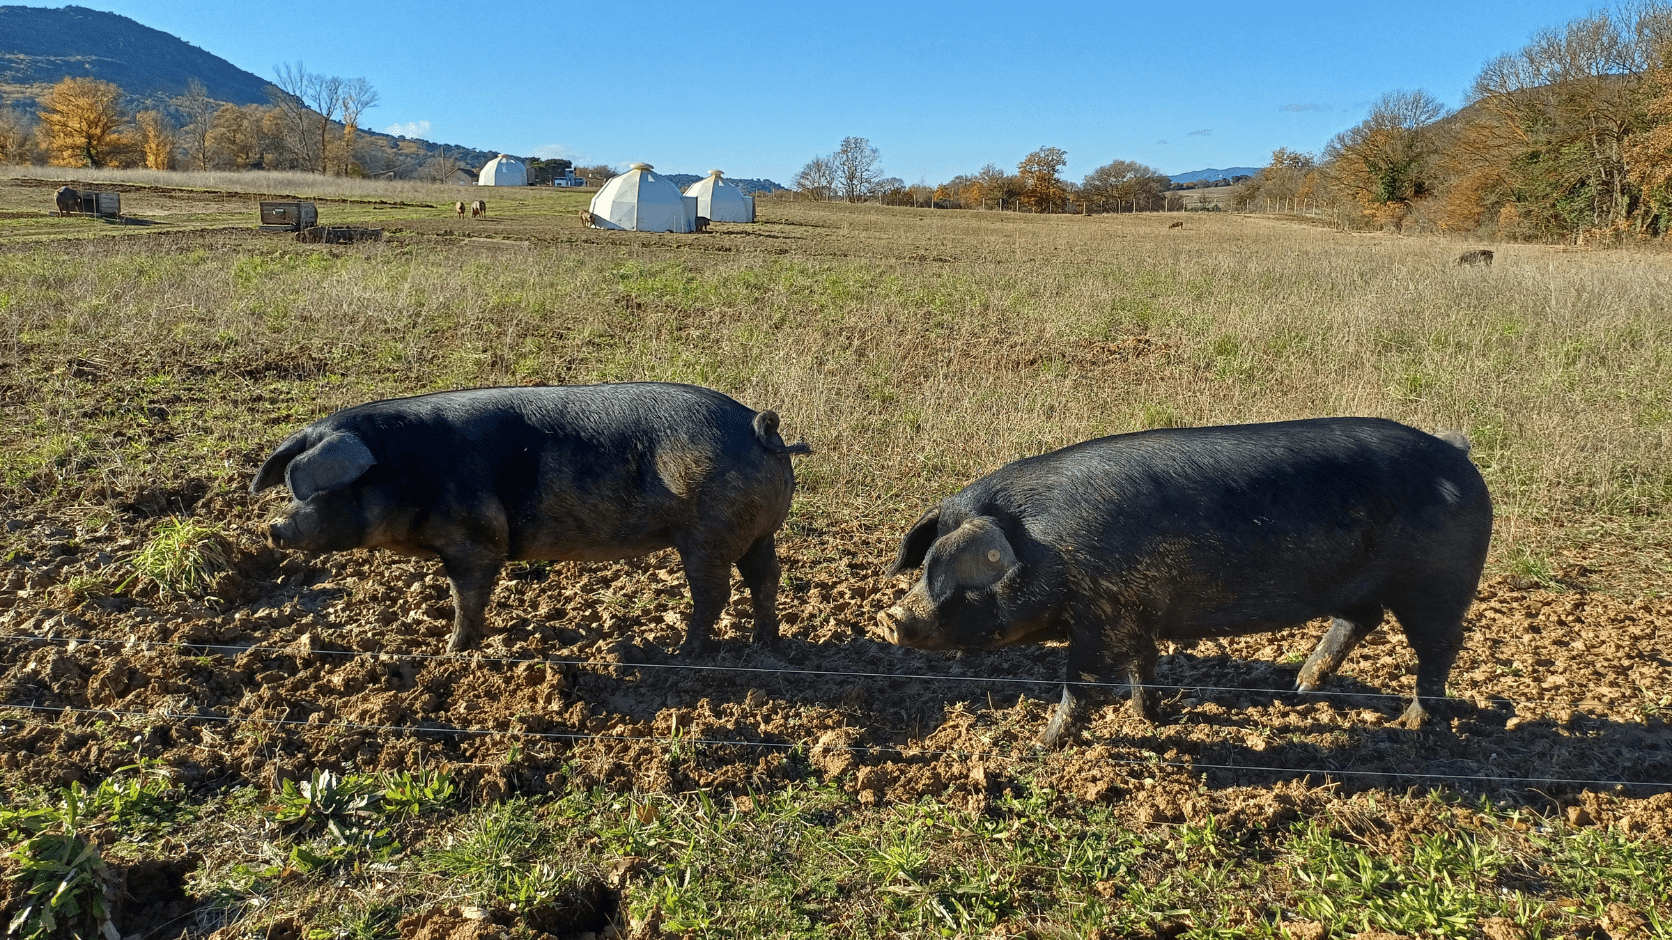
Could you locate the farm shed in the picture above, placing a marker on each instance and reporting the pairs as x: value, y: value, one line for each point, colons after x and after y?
x: 288, y: 216
x: 641, y: 201
x: 720, y: 201
x: 503, y: 170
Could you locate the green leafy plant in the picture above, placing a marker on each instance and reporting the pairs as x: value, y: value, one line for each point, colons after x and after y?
x: 412, y: 794
x: 182, y: 558
x: 66, y: 883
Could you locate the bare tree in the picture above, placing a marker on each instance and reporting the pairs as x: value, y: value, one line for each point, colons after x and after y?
x: 309, y: 101
x: 856, y: 168
x: 358, y: 95
x: 817, y: 179
x: 199, y: 111
x: 1385, y: 162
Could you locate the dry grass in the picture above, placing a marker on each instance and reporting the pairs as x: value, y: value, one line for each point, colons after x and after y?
x: 255, y: 182
x: 915, y: 349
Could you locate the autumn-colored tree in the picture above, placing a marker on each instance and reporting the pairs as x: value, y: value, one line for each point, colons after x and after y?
x: 17, y: 143
x: 1291, y: 177
x: 157, y: 138
x: 1649, y: 153
x: 1561, y: 115
x: 1042, y: 189
x: 1385, y: 162
x: 357, y: 96
x: 1124, y: 185
x: 82, y: 120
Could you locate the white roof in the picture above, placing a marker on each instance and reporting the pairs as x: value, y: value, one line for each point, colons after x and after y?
x: 503, y: 170
x: 641, y: 201
x: 720, y: 201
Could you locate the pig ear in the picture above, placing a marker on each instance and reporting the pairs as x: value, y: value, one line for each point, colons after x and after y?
x: 332, y: 464
x: 916, y: 543
x: 977, y: 554
x: 272, y: 472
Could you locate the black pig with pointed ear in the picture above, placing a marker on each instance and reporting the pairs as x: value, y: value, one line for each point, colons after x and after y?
x: 1181, y: 534
x: 573, y: 473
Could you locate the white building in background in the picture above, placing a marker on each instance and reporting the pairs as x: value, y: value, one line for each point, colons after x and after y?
x: 641, y: 201
x: 503, y: 170
x: 720, y: 201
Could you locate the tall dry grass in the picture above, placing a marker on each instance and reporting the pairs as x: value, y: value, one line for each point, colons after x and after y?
x: 914, y: 349
x: 254, y: 182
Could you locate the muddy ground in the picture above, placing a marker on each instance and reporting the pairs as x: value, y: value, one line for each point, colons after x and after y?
x: 338, y: 662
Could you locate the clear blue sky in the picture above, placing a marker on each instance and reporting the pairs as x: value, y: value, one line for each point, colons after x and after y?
x: 757, y: 89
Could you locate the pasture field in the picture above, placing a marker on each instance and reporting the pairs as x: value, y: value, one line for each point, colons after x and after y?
x: 271, y: 745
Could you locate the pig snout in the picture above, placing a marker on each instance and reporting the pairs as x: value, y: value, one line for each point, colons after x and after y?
x: 912, y: 622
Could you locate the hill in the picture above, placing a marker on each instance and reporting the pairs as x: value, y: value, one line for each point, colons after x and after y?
x: 39, y: 47
x: 749, y: 186
x: 1212, y: 174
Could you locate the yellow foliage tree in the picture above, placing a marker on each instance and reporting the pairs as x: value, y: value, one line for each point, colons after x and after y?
x: 157, y: 138
x: 1042, y: 190
x: 1649, y: 154
x: 82, y: 121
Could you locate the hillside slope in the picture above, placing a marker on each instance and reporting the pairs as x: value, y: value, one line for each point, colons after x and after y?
x: 39, y: 47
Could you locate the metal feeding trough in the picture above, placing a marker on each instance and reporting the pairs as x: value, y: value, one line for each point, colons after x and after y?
x: 288, y: 216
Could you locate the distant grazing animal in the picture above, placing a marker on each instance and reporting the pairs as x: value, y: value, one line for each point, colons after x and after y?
x: 588, y: 219
x: 1478, y: 256
x: 1178, y: 224
x: 68, y: 200
x: 459, y: 208
x: 702, y: 223
x: 478, y: 208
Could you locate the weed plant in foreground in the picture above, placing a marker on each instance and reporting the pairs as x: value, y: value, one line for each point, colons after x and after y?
x: 329, y: 774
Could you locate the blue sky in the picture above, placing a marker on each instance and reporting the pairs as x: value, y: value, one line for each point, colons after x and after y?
x: 756, y: 89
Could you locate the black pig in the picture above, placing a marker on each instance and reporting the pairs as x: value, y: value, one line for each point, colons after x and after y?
x: 576, y: 473
x: 1180, y: 534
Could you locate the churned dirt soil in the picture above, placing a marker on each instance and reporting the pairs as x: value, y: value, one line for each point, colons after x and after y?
x: 338, y: 662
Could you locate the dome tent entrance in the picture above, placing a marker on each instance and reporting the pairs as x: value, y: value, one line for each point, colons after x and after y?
x: 641, y: 201
x: 720, y: 201
x: 503, y: 170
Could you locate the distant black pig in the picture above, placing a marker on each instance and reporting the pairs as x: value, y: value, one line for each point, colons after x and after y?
x: 574, y: 473
x: 1180, y: 534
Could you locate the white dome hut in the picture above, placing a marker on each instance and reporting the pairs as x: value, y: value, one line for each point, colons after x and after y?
x: 720, y: 201
x: 503, y: 170
x: 641, y: 201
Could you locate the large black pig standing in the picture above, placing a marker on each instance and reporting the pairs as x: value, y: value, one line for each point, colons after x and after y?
x: 1179, y: 534
x: 575, y: 473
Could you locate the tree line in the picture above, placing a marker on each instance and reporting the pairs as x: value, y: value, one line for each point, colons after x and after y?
x: 311, y: 123
x: 853, y: 174
x: 1567, y: 138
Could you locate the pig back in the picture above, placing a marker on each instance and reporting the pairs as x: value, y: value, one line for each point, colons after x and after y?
x: 1208, y: 515
x: 585, y: 472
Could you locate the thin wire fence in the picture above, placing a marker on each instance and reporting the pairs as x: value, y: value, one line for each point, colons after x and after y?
x: 904, y: 752
x: 1592, y: 701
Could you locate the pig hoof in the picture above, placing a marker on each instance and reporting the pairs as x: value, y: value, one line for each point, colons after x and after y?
x: 461, y: 642
x: 766, y: 638
x: 695, y: 647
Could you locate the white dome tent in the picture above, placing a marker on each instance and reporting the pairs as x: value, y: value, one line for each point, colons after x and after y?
x: 641, y: 201
x: 503, y: 170
x: 720, y: 201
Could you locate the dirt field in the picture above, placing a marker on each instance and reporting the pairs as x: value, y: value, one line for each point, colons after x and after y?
x: 291, y: 663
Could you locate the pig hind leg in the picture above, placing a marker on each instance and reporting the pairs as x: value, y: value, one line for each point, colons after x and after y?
x: 710, y: 583
x: 1433, y: 627
x: 1349, y: 629
x: 760, y: 570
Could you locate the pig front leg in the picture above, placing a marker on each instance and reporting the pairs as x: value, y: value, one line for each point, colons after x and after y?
x: 1087, y: 662
x: 472, y: 575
